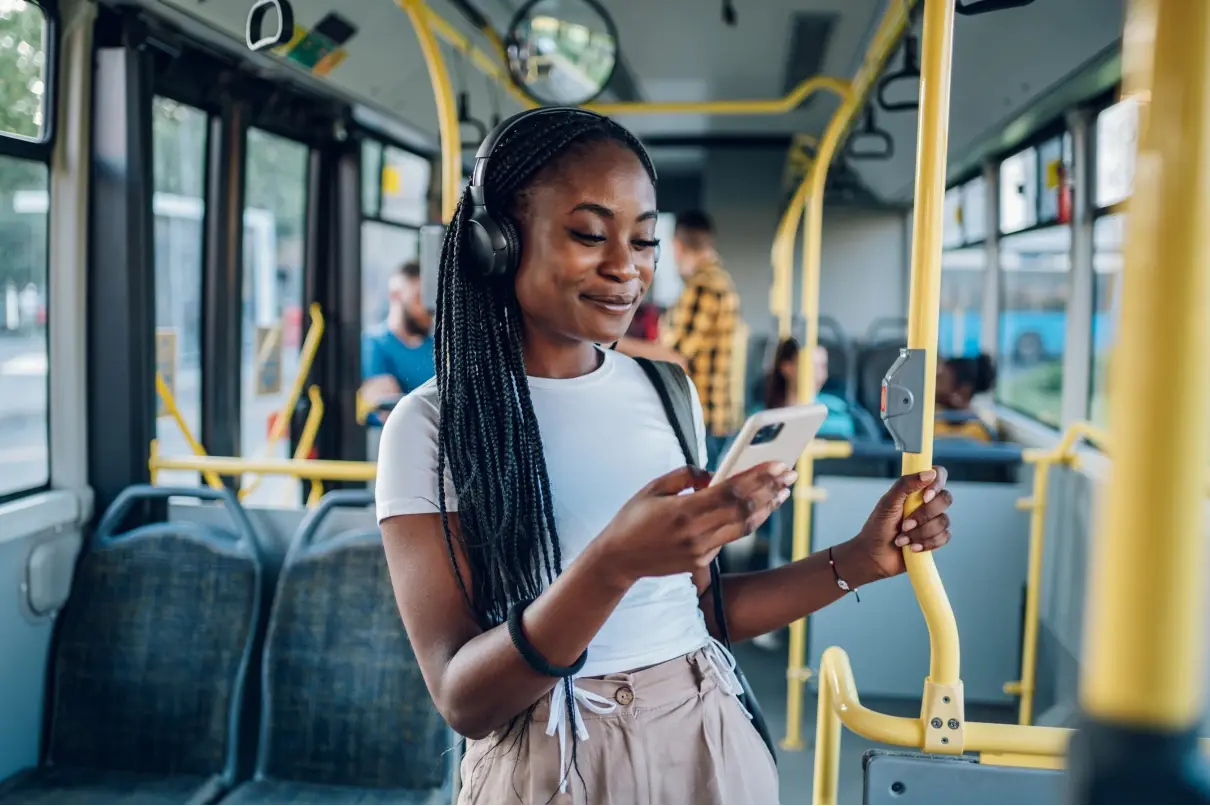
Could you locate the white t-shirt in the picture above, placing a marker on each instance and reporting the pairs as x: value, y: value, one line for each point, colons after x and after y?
x: 605, y: 436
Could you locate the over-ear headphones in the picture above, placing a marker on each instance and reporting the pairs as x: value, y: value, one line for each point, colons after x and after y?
x: 492, y: 246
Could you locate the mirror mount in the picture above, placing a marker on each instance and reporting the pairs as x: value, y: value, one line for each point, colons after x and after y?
x: 562, y: 52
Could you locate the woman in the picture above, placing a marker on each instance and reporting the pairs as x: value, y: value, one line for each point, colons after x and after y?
x: 781, y: 389
x: 958, y: 381
x: 553, y: 582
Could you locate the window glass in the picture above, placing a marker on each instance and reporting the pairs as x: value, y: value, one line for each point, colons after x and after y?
x: 274, y: 322
x: 24, y: 419
x: 371, y: 177
x: 1108, y: 234
x: 666, y: 286
x: 1019, y: 191
x: 405, y: 187
x: 974, y: 209
x: 22, y: 69
x: 1054, y: 203
x: 1117, y: 132
x: 384, y: 249
x: 1035, y: 272
x: 961, y: 321
x: 951, y: 224
x: 179, y: 174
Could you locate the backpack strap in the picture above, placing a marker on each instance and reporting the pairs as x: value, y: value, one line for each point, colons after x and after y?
x: 672, y: 385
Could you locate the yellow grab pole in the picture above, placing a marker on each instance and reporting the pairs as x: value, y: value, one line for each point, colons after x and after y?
x: 1033, y: 593
x: 943, y: 698
x: 1145, y: 628
x: 447, y: 113
x: 808, y: 200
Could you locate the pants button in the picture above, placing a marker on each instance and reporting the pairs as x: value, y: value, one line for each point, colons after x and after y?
x: 625, y: 695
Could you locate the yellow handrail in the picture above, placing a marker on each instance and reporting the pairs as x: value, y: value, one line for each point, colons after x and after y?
x: 1144, y: 644
x: 942, y: 726
x: 890, y: 29
x: 306, y: 440
x: 1063, y: 453
x: 306, y: 359
x: 840, y: 705
x: 309, y: 469
x: 496, y: 69
x: 423, y: 21
x: 161, y: 388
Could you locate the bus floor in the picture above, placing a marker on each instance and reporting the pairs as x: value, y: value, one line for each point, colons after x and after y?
x: 766, y: 671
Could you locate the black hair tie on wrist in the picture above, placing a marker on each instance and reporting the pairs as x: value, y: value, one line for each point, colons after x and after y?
x: 531, y: 655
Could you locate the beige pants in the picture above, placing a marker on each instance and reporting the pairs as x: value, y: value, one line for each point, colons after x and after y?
x: 674, y: 736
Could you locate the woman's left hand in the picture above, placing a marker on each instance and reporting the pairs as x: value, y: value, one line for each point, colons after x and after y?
x: 880, y: 542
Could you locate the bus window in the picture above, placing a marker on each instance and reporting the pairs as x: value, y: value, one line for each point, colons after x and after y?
x: 273, y: 318
x: 24, y: 211
x: 23, y: 66
x: 1035, y: 282
x: 179, y: 154
x: 1108, y: 234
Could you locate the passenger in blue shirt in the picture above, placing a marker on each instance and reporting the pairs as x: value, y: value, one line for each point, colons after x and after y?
x: 781, y: 389
x: 397, y: 355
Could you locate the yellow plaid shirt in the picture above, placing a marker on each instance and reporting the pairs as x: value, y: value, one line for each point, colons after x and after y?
x: 701, y: 326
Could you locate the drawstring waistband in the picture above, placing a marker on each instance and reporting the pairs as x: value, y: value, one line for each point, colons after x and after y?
x: 557, y: 723
x: 716, y: 654
x: 724, y: 665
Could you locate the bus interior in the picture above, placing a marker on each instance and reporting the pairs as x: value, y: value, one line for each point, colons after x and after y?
x: 202, y: 203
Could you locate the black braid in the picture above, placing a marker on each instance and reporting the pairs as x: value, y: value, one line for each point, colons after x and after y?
x: 488, y: 435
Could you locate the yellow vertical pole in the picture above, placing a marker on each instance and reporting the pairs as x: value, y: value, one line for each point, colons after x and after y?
x: 797, y: 672
x: 1033, y: 593
x: 942, y: 702
x: 447, y: 113
x: 1145, y: 628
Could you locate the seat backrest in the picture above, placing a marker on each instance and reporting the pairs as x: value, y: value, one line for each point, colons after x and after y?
x: 344, y: 700
x: 872, y: 364
x: 153, y: 647
x: 897, y: 777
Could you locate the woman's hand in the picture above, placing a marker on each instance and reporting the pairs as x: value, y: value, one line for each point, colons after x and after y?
x: 878, y: 548
x: 660, y: 532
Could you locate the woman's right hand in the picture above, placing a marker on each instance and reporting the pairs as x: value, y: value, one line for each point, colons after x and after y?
x: 660, y: 532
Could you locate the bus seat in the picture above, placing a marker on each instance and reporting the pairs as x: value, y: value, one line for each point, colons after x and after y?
x: 902, y: 778
x: 346, y: 716
x: 873, y: 361
x: 149, y: 661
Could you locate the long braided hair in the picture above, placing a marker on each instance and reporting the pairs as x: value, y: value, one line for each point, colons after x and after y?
x: 488, y: 435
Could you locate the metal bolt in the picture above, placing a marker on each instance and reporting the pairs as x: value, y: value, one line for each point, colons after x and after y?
x: 945, y: 740
x: 936, y: 722
x: 953, y: 724
x: 945, y: 699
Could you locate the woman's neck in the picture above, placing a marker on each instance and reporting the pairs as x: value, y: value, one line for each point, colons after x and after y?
x: 560, y: 360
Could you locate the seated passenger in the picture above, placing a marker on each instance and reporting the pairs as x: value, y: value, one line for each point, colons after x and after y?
x: 553, y: 581
x: 397, y: 355
x: 958, y: 381
x: 781, y: 389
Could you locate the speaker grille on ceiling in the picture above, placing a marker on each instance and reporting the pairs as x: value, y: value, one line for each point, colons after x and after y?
x: 810, y: 35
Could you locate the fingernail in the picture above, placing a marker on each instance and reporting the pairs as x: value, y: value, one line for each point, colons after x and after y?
x: 928, y: 475
x: 901, y: 541
x: 917, y: 547
x: 779, y: 469
x: 909, y: 525
x: 929, y: 495
x: 783, y: 495
x: 789, y: 478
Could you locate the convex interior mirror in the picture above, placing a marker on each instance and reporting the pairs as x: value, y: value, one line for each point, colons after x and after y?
x: 562, y: 52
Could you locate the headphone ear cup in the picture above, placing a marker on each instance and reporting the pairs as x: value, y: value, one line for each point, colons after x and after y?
x: 512, y: 245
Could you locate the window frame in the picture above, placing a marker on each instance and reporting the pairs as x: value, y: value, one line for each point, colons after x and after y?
x: 26, y: 149
x: 383, y: 144
x: 1056, y: 128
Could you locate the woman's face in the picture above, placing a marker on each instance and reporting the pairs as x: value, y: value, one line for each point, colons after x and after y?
x: 587, y: 245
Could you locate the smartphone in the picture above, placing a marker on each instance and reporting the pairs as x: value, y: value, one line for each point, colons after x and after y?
x: 773, y: 435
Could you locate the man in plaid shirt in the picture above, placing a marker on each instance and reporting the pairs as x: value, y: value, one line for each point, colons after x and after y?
x: 701, y: 326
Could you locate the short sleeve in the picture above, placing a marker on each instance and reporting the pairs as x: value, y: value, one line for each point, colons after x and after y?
x: 407, y: 459
x: 699, y: 422
x: 373, y: 361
